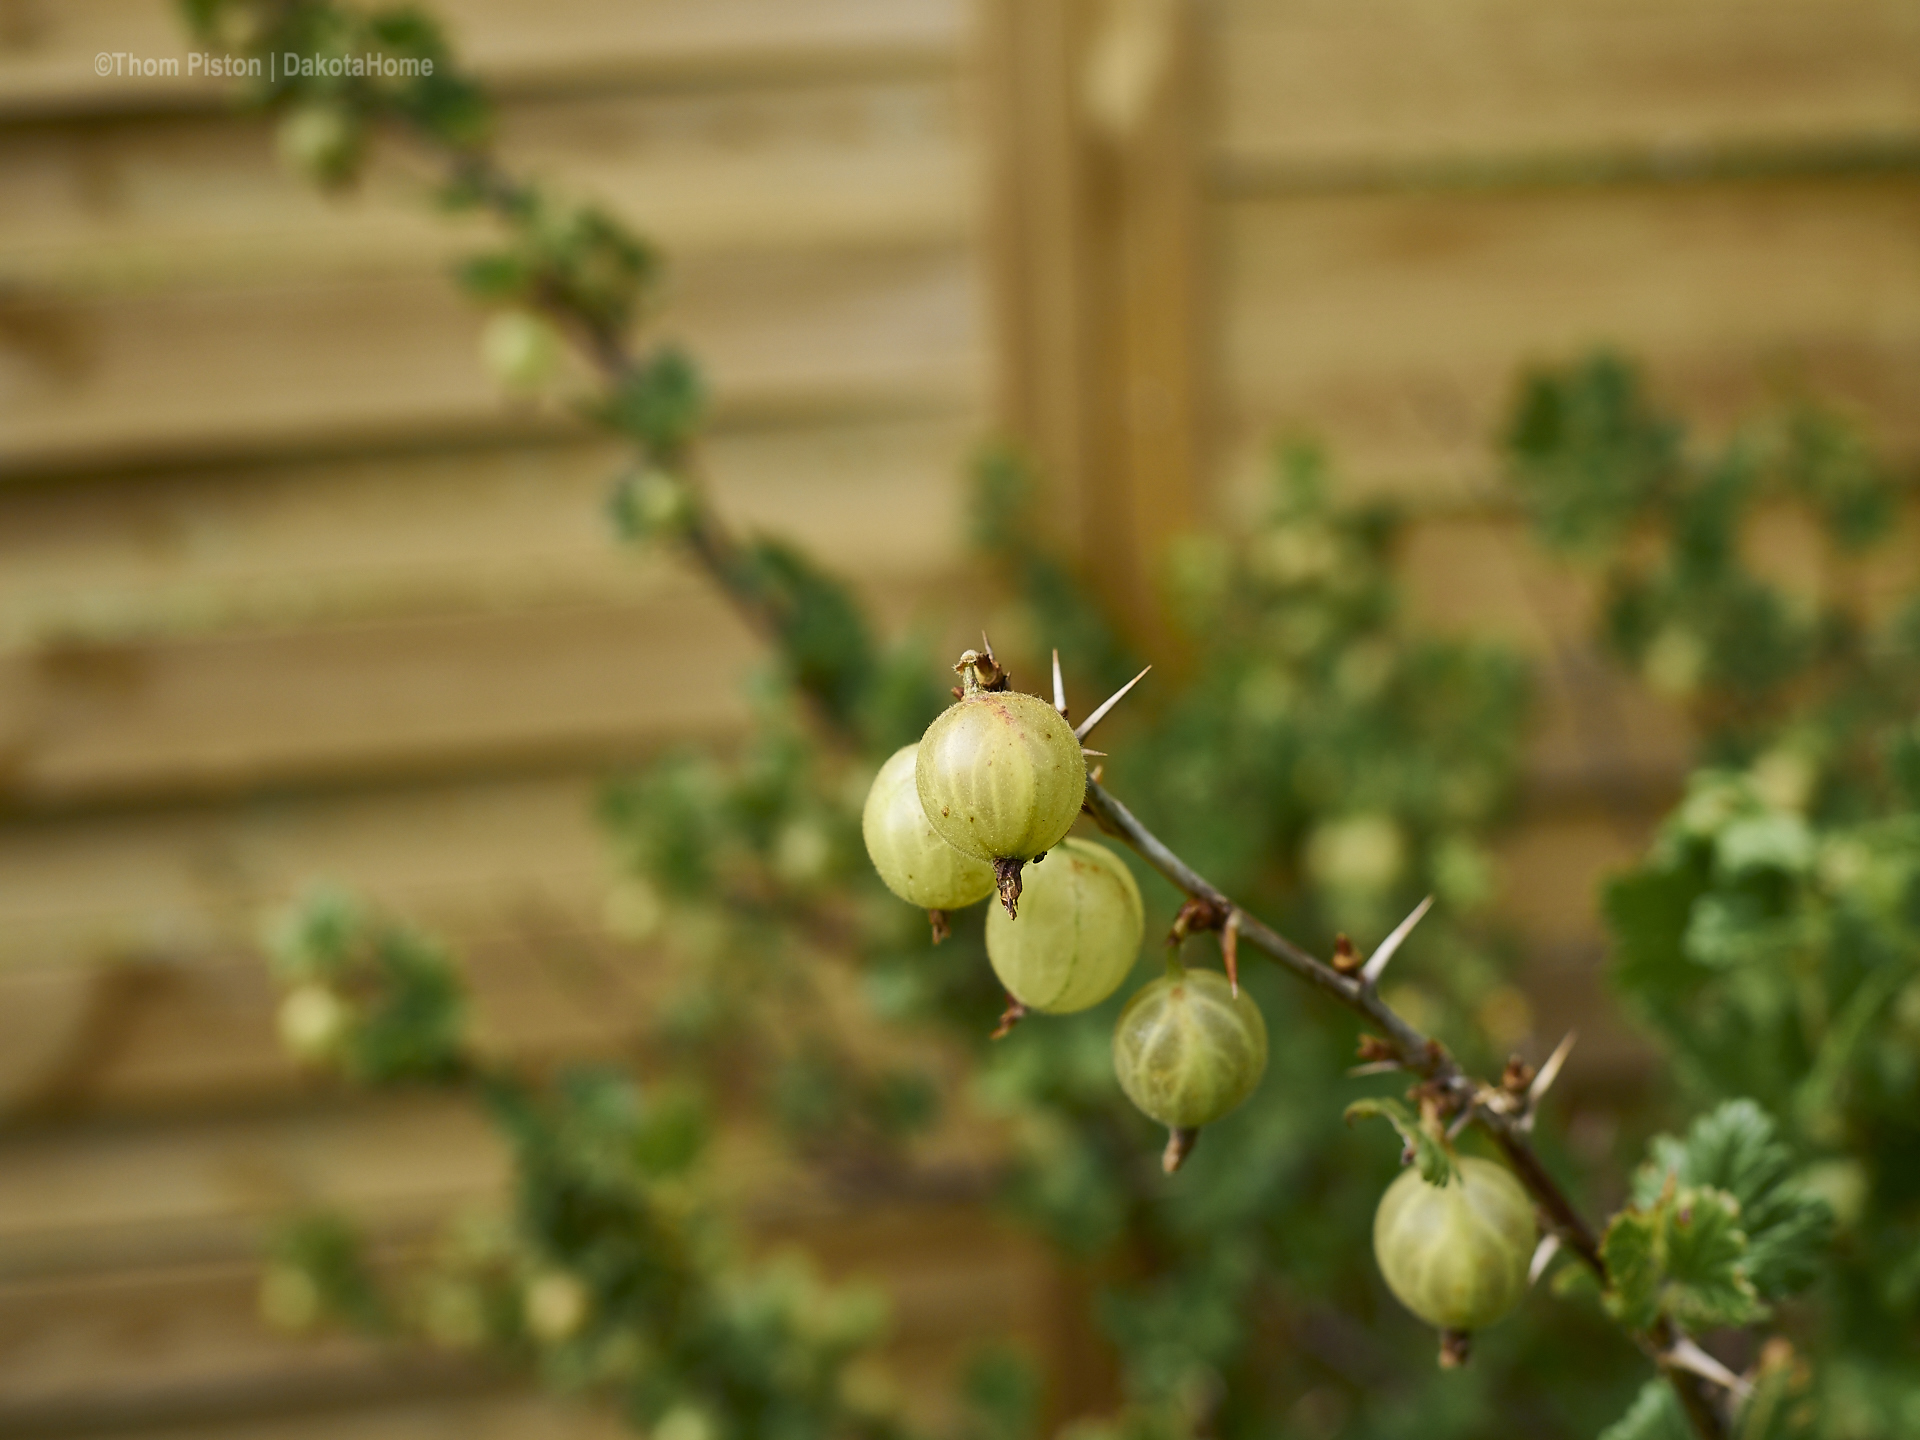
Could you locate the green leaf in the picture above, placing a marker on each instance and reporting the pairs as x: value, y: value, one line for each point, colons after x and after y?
x: 1631, y: 1250
x: 1685, y: 1257
x: 1765, y: 842
x: 660, y: 402
x: 1436, y: 1164
x: 1654, y: 1415
x: 1737, y: 1149
x: 1706, y: 1251
x: 494, y: 277
x: 1588, y: 452
x: 1648, y: 911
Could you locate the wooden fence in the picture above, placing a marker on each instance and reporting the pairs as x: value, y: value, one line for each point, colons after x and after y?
x: 288, y: 591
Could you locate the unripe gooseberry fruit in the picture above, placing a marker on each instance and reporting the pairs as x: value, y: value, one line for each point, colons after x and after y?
x: 556, y: 1305
x: 1078, y: 933
x: 1457, y: 1254
x: 313, y: 1022
x: 1000, y: 775
x: 1188, y: 1049
x: 913, y: 861
x: 520, y: 350
x: 320, y: 141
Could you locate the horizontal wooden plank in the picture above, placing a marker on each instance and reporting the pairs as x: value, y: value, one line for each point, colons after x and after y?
x: 196, y: 1031
x: 468, y: 858
x: 1392, y: 325
x: 184, y: 1343
x: 47, y: 52
x: 1333, y: 89
x: 252, y: 710
x: 191, y: 1189
x: 257, y: 709
x: 88, y: 1198
x: 197, y: 372
x: 393, y: 1402
x: 140, y: 204
x: 121, y: 558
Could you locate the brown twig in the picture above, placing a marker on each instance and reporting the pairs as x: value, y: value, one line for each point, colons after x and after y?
x: 1442, y: 1078
x: 720, y: 555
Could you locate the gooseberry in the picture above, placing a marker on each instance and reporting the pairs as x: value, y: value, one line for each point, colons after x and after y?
x: 320, y: 141
x: 1457, y: 1254
x: 1078, y: 933
x: 521, y: 350
x: 913, y: 861
x: 313, y: 1022
x: 1188, y: 1048
x: 556, y: 1305
x: 1000, y: 775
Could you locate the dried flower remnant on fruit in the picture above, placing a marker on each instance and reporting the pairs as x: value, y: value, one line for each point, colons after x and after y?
x: 1000, y: 775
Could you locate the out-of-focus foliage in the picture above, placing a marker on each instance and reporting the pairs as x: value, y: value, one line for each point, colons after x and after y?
x: 1771, y: 937
x: 1326, y: 762
x: 607, y: 1274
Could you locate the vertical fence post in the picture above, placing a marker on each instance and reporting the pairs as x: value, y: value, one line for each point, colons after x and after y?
x: 1093, y: 132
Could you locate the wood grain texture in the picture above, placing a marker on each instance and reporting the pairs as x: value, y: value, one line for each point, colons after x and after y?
x: 194, y: 1029
x: 1334, y: 89
x: 178, y: 1349
x: 465, y: 856
x: 137, y: 204
x: 1391, y: 325
x: 332, y: 363
x: 112, y: 558
x: 47, y: 47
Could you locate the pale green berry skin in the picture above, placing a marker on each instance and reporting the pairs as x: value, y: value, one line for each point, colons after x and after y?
x: 1188, y: 1050
x: 520, y: 350
x: 319, y: 141
x: 1001, y: 776
x: 1078, y: 934
x: 916, y: 864
x: 1457, y: 1254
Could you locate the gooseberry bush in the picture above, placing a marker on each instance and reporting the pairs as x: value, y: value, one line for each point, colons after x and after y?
x: 1323, y: 764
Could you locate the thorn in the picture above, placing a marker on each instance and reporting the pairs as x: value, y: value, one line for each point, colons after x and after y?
x: 1344, y: 960
x: 1009, y: 1017
x: 1097, y: 772
x: 986, y: 649
x: 1059, y: 687
x: 1180, y: 1143
x: 1460, y: 1122
x: 1377, y: 962
x: 1686, y: 1355
x: 1086, y: 726
x: 1230, y: 951
x: 1097, y: 754
x: 1549, y: 1072
x: 1372, y: 1067
x: 1543, y: 1254
x: 941, y: 929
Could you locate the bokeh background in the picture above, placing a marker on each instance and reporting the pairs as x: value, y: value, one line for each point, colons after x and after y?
x: 290, y: 591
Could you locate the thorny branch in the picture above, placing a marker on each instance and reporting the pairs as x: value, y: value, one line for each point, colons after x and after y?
x: 1422, y: 1056
x: 1456, y: 1093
